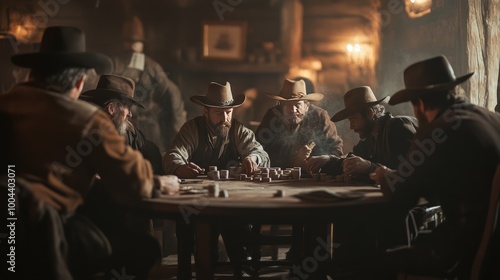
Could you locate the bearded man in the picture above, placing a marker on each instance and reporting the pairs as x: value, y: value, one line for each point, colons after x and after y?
x: 115, y: 95
x: 295, y: 130
x: 216, y: 139
x: 458, y: 151
x: 384, y: 138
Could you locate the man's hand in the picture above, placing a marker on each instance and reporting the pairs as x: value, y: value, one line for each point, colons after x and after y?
x: 300, y: 157
x: 356, y: 165
x: 249, y: 165
x: 379, y: 177
x: 188, y: 171
x: 315, y: 163
x: 169, y: 184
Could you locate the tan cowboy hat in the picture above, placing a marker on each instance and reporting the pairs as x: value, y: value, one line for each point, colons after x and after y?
x: 112, y: 87
x: 294, y: 91
x: 356, y: 100
x: 427, y: 76
x: 64, y: 46
x: 219, y: 96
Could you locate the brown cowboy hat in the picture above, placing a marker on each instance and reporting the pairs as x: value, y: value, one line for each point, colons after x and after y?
x: 427, y: 76
x: 356, y: 100
x: 294, y: 91
x: 219, y: 96
x: 112, y: 87
x: 64, y: 46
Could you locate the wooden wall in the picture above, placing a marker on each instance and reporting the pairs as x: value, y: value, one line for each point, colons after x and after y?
x: 173, y: 33
x: 328, y: 27
x: 466, y: 31
x: 482, y: 34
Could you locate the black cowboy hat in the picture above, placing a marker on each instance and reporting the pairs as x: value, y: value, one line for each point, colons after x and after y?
x: 112, y: 87
x: 64, y: 46
x: 427, y: 76
x: 219, y: 96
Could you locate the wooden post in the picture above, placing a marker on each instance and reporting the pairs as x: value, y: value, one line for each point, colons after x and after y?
x: 482, y: 40
x: 291, y: 31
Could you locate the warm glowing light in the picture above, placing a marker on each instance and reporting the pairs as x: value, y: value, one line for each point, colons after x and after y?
x: 349, y: 47
x: 353, y: 48
x: 418, y: 8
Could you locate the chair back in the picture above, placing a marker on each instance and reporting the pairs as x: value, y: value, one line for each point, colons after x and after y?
x: 483, y: 265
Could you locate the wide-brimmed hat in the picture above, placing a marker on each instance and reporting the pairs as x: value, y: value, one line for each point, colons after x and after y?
x: 427, y: 76
x: 112, y: 87
x: 63, y: 46
x: 218, y: 96
x: 356, y: 100
x: 295, y: 91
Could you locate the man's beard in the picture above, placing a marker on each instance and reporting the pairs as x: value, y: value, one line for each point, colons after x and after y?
x: 121, y: 125
x: 222, y: 129
x: 294, y: 119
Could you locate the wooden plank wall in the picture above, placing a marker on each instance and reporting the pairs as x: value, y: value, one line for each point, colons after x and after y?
x: 467, y: 32
x: 483, y: 40
x: 328, y: 27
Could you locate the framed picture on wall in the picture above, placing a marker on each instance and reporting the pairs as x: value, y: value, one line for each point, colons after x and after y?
x: 224, y: 40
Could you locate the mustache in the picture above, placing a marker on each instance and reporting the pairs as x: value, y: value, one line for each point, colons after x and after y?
x: 224, y: 124
x: 295, y: 114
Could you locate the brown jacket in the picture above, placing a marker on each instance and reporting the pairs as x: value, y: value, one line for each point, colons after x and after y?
x: 62, y: 144
x: 281, y: 143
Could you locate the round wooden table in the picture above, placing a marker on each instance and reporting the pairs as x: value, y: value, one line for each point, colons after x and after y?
x: 261, y: 203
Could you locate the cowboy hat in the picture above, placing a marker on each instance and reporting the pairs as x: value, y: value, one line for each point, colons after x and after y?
x: 218, y: 96
x: 427, y: 76
x: 63, y: 46
x: 112, y: 87
x: 356, y: 100
x: 294, y: 91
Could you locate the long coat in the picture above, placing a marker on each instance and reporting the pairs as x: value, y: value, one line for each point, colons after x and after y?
x: 63, y: 143
x: 453, y: 158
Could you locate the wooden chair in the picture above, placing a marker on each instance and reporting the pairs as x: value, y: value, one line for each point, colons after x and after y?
x: 422, y: 219
x: 486, y: 262
x: 274, y: 237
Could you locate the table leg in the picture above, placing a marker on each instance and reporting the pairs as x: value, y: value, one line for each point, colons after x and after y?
x: 316, y: 253
x: 185, y: 244
x: 204, y: 264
